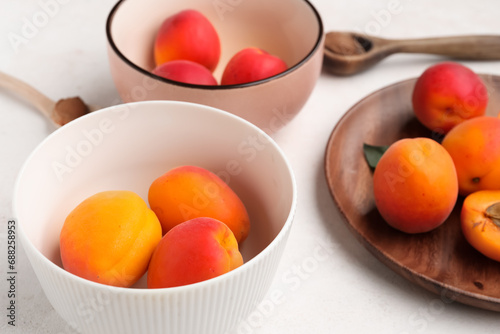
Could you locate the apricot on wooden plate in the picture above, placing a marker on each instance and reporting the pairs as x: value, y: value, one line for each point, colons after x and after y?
x: 446, y: 94
x: 474, y: 146
x: 480, y: 222
x: 415, y: 185
x: 109, y: 238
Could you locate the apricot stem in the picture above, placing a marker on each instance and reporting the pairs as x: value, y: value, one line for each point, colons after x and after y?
x: 493, y: 212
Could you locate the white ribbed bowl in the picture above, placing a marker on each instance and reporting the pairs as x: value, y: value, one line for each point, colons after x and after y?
x: 127, y: 147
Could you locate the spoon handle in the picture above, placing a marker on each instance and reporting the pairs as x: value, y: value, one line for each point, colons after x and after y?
x: 40, y: 101
x: 486, y: 47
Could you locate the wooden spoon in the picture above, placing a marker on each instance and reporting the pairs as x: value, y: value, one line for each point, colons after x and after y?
x: 347, y: 53
x: 59, y: 112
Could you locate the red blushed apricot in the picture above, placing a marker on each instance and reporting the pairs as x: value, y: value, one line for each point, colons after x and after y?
x: 474, y: 146
x: 185, y: 71
x: 251, y: 64
x: 192, y: 252
x: 109, y: 238
x: 188, y: 35
x: 188, y: 192
x: 415, y: 185
x: 480, y: 222
x: 446, y: 94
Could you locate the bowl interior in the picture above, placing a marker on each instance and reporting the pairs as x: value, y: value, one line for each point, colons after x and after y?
x: 128, y: 146
x: 289, y: 29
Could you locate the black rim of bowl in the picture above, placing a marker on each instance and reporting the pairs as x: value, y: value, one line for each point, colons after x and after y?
x: 317, y: 44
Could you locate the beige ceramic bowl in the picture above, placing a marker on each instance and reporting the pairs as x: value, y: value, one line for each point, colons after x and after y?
x: 290, y: 29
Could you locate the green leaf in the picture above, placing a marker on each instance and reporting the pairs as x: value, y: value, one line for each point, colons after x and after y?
x: 374, y: 153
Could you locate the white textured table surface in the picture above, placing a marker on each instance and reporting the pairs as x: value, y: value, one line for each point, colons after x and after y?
x: 348, y: 292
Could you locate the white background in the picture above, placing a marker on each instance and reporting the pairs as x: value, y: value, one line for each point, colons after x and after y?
x: 347, y: 292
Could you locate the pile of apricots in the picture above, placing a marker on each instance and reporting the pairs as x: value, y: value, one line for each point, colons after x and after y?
x: 189, y: 233
x: 417, y: 181
x: 187, y: 49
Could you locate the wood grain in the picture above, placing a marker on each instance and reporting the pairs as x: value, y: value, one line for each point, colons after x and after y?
x: 440, y: 261
x: 347, y: 53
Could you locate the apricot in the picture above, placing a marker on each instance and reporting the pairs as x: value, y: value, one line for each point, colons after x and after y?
x: 446, y: 94
x: 188, y: 192
x: 109, y: 238
x: 185, y: 71
x: 415, y: 185
x: 480, y: 222
x: 474, y: 146
x: 187, y: 35
x: 251, y: 64
x: 194, y: 251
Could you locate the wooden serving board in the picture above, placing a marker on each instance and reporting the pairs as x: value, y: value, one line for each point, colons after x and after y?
x: 440, y: 261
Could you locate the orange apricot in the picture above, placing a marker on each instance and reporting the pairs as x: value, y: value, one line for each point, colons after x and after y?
x: 188, y: 192
x: 415, y: 185
x: 474, y: 146
x: 109, y: 238
x: 186, y: 71
x: 480, y: 222
x: 188, y: 35
x: 193, y: 251
x: 251, y: 64
x: 446, y: 94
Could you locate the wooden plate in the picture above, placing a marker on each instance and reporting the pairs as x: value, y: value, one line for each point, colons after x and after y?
x: 441, y: 261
